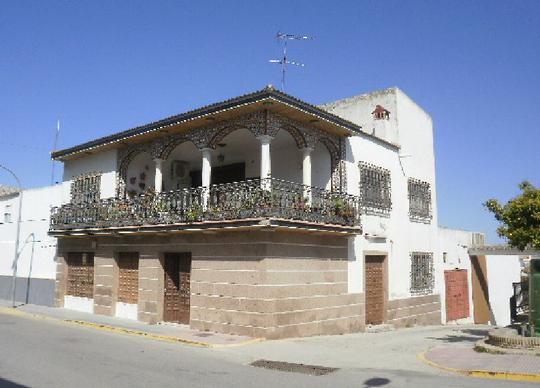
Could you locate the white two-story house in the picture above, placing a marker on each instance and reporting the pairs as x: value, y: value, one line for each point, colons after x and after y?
x: 261, y: 215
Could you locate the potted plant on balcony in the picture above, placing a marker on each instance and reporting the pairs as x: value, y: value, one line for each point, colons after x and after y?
x: 343, y: 209
x: 194, y: 213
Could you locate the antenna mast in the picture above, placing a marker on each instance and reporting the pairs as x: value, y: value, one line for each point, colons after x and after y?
x: 54, y: 149
x: 284, y: 61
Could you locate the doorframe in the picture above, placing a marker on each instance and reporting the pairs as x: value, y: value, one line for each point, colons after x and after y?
x: 385, y: 283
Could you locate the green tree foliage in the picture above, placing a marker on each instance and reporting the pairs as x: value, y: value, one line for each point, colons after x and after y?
x: 519, y: 218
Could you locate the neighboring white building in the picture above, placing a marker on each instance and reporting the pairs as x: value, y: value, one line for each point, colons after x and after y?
x: 36, y: 267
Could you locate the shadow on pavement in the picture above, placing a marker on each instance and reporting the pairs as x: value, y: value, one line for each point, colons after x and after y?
x: 9, y: 384
x: 465, y: 335
x: 477, y: 332
x: 376, y: 382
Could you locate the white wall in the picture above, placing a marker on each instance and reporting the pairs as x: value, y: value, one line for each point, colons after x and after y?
x: 35, y: 219
x: 395, y: 235
x: 143, y: 169
x: 358, y: 109
x: 502, y: 271
x: 104, y: 162
x: 455, y: 243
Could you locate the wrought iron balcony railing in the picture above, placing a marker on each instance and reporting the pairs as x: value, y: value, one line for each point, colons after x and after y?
x: 251, y: 199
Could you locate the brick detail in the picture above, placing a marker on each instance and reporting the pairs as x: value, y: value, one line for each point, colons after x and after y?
x: 291, y: 288
x: 61, y: 281
x: 105, y: 284
x: 271, y: 284
x: 418, y: 310
x: 509, y: 338
x: 150, y: 306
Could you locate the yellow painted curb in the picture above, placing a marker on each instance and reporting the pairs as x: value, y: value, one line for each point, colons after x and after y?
x: 516, y: 376
x: 123, y: 330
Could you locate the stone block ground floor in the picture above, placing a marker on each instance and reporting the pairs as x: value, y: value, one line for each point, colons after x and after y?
x: 269, y: 284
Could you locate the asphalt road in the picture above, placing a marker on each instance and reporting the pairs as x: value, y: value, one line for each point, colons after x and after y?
x: 43, y: 353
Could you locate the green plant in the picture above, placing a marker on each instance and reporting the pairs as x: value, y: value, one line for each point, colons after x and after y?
x: 519, y: 218
x: 159, y: 206
x: 194, y: 212
x: 343, y: 208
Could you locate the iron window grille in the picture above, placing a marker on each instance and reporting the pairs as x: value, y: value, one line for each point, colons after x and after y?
x: 375, y: 189
x: 86, y: 188
x: 422, y: 273
x: 419, y: 201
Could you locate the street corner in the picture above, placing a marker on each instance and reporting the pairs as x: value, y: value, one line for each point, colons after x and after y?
x: 466, y: 361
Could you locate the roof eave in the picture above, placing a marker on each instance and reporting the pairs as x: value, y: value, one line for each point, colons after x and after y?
x: 258, y: 96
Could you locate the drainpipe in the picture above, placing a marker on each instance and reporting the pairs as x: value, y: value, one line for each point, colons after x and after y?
x: 16, y: 255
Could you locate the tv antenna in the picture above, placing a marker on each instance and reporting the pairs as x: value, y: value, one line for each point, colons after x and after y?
x: 284, y: 61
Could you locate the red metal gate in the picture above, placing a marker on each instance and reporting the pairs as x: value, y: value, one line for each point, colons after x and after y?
x: 457, y: 294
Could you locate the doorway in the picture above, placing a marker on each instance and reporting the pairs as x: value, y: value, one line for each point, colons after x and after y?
x: 176, y: 305
x: 375, y: 289
x: 457, y: 294
x: 228, y: 173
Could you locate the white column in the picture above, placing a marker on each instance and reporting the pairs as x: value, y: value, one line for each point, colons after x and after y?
x: 158, y: 180
x: 206, y: 174
x: 306, y: 172
x: 266, y: 163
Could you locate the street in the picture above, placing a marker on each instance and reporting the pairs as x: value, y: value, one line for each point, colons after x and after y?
x: 45, y: 353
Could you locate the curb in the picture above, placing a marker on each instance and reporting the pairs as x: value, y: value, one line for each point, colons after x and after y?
x: 123, y: 330
x: 482, y: 346
x: 516, y: 376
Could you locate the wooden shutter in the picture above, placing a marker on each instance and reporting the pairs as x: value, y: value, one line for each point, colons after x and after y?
x: 80, y: 274
x: 128, y: 273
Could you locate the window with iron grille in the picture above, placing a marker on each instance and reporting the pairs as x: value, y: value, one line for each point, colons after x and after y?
x: 422, y: 276
x: 375, y: 189
x: 86, y: 188
x: 419, y: 201
x: 80, y: 274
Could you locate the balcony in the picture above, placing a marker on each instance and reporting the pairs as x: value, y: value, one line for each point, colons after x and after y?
x: 252, y: 202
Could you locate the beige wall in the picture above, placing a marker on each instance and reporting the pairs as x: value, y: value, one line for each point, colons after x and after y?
x: 271, y: 284
x: 418, y: 310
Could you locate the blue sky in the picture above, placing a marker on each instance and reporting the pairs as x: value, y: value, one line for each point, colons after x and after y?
x: 104, y: 66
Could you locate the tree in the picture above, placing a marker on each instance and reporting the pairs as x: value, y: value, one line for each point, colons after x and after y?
x: 519, y: 218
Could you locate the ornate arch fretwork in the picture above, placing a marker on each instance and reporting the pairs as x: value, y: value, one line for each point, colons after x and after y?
x: 169, y: 144
x: 335, y: 161
x: 342, y: 164
x: 254, y: 122
x: 124, y: 158
x: 261, y: 122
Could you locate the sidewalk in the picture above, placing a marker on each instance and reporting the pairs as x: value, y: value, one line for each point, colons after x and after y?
x: 165, y: 332
x: 466, y: 360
